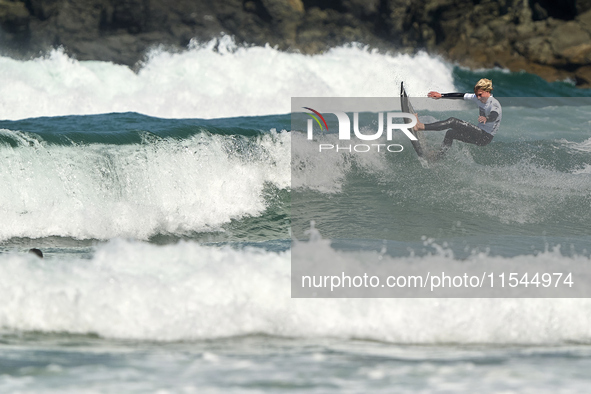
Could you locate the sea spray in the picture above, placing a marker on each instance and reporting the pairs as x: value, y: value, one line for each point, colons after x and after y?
x: 187, y: 291
x: 209, y: 80
x: 160, y: 186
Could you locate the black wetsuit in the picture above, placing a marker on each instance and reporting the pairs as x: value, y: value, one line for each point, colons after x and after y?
x: 467, y: 132
x: 462, y: 131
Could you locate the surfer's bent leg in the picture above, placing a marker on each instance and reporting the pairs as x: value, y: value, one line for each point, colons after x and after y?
x: 461, y: 131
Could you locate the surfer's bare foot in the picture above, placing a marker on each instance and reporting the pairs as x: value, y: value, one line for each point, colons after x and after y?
x: 419, y: 125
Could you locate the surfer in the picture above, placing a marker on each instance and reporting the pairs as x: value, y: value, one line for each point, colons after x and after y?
x: 36, y: 252
x: 488, y: 121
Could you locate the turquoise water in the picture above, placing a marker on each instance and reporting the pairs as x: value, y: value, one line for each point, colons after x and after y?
x: 166, y: 206
x: 527, y: 191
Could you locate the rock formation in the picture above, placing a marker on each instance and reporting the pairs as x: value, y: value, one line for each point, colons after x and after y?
x: 548, y: 38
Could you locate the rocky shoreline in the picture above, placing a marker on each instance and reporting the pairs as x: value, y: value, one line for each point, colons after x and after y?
x: 538, y: 36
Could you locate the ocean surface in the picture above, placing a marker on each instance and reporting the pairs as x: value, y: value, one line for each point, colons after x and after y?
x: 162, y: 201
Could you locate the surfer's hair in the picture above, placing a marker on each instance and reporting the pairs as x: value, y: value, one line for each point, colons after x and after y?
x: 483, y: 84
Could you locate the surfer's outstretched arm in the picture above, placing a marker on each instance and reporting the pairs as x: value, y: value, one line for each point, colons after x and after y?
x: 437, y: 95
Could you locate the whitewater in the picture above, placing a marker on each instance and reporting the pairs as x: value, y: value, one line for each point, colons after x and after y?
x: 187, y: 292
x: 212, y: 80
x: 169, y: 202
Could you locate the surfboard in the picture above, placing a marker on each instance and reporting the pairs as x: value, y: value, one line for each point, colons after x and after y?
x: 420, y: 144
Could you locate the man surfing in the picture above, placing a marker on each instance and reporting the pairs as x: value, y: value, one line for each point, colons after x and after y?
x: 488, y: 121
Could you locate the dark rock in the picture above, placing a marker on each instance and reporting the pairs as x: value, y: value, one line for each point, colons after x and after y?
x: 362, y: 8
x: 43, y: 9
x: 583, y: 77
x: 566, y: 37
x: 14, y: 17
x: 545, y: 37
x: 583, y: 6
x: 286, y: 16
x: 585, y: 21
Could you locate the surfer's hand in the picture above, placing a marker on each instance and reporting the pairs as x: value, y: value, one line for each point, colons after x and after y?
x: 435, y: 95
x: 482, y: 119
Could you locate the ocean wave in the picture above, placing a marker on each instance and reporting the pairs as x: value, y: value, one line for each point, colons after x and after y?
x: 159, y: 186
x: 584, y: 146
x: 585, y: 170
x: 209, y: 80
x: 188, y: 291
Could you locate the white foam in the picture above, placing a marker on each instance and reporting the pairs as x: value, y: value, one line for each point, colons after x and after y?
x: 104, y: 191
x: 211, y: 80
x: 326, y: 172
x: 584, y: 146
x: 585, y: 170
x: 533, y: 190
x: 188, y: 291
